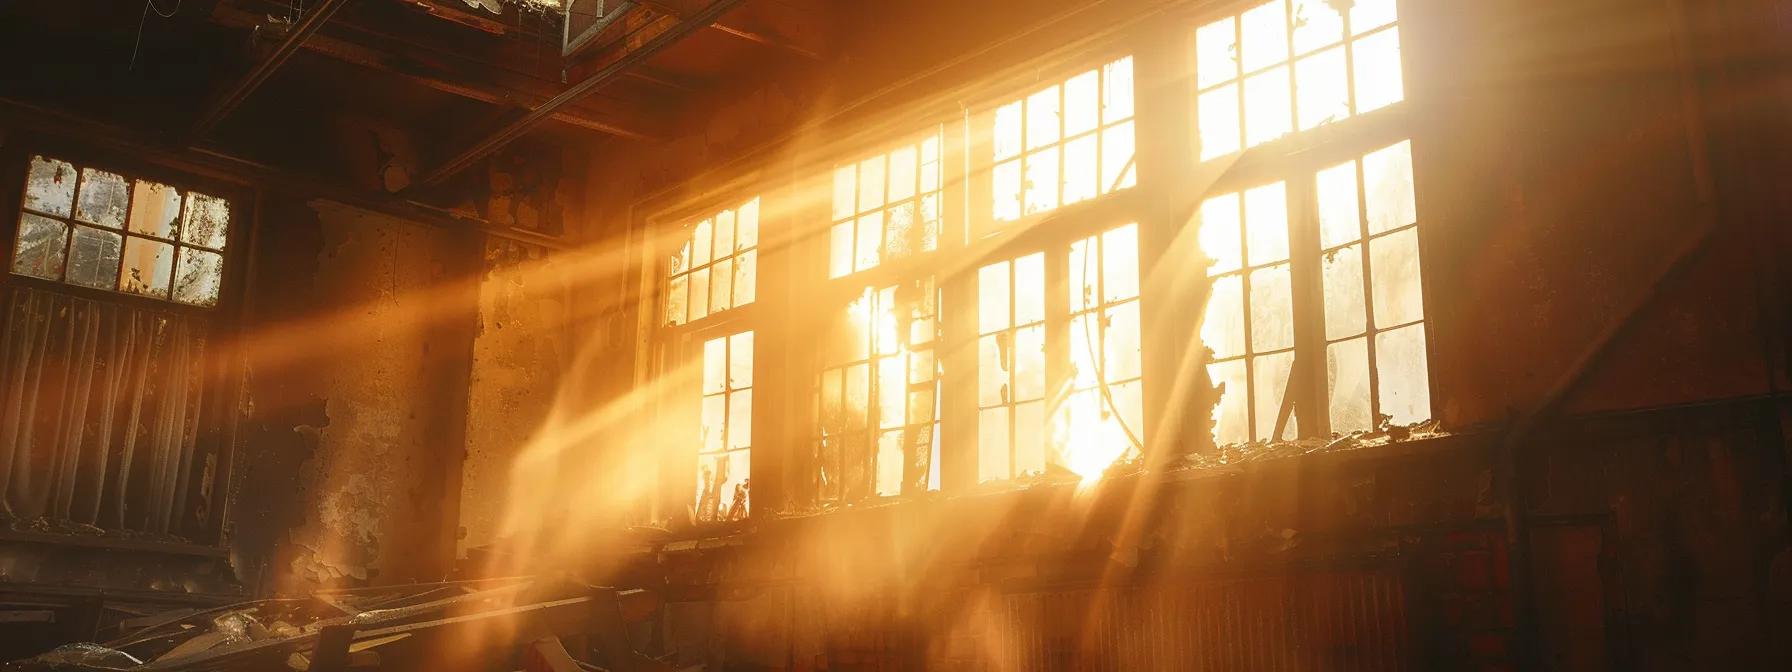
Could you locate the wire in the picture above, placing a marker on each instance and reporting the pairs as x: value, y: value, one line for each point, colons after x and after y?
x: 148, y: 5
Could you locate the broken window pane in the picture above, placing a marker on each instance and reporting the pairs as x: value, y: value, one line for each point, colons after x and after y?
x: 1042, y: 118
x: 1387, y: 176
x: 93, y: 258
x: 1347, y: 385
x: 1116, y: 100
x: 1270, y: 378
x: 1081, y: 177
x: 1338, y: 219
x: 1394, y: 264
x: 1005, y: 190
x: 1220, y: 234
x: 1379, y: 80
x: 1343, y: 272
x: 1322, y: 88
x: 206, y: 222
x: 1042, y: 181
x: 1268, y: 112
x: 155, y: 209
x: 39, y: 249
x: 1231, y: 416
x: 1317, y: 23
x: 1272, y: 309
x: 148, y: 266
x: 1222, y: 328
x: 1265, y: 35
x: 50, y: 188
x: 1266, y: 223
x: 1118, y: 167
x: 1367, y: 15
x: 104, y: 198
x: 1217, y: 117
x: 1007, y: 131
x: 746, y: 272
x: 1216, y: 49
x: 1082, y: 103
x: 1405, y: 389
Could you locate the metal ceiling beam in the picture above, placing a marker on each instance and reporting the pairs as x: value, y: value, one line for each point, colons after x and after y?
x: 234, y: 96
x: 618, y: 65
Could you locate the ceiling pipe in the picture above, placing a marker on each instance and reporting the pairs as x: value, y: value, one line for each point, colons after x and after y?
x: 503, y: 136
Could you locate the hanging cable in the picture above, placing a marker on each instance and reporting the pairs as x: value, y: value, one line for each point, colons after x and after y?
x: 148, y: 5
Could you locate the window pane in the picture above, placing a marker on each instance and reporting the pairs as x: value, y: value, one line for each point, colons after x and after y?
x: 858, y: 395
x: 992, y: 298
x: 1405, y: 388
x: 715, y: 422
x: 1222, y: 328
x: 1042, y: 118
x: 1394, y: 264
x: 902, y: 237
x: 1338, y: 219
x: 1347, y: 385
x: 1221, y: 231
x: 1216, y: 48
x: 1231, y: 416
x: 1120, y: 263
x: 740, y: 360
x: 50, y: 187
x: 1005, y: 191
x: 724, y: 234
x: 1085, y: 344
x: 206, y: 222
x: 1029, y: 289
x: 721, y: 285
x: 93, y: 258
x: 1317, y: 23
x: 846, y: 191
x: 1268, y: 112
x: 1379, y: 80
x: 1272, y: 309
x: 1084, y: 270
x: 1082, y: 103
x: 1116, y: 102
x: 740, y: 419
x: 1266, y: 223
x: 1029, y: 438
x: 992, y: 371
x: 699, y: 304
x: 871, y: 183
x: 39, y: 249
x: 871, y: 233
x: 746, y: 278
x: 1081, y: 177
x: 902, y: 173
x: 840, y: 250
x: 715, y: 365
x: 1367, y: 15
x: 1029, y: 363
x: 889, y: 464
x: 1118, y: 169
x: 1042, y: 181
x: 992, y: 445
x: 930, y: 222
x: 700, y: 243
x: 147, y: 266
x: 676, y: 293
x: 154, y: 209
x: 1344, y: 316
x: 1323, y: 88
x: 892, y: 404
x: 748, y: 223
x: 1270, y: 377
x: 104, y: 198
x: 1007, y: 131
x: 1387, y: 174
x: 1265, y: 29
x: 1217, y: 117
x: 1120, y: 342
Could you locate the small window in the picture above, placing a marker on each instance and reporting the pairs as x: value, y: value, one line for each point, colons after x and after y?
x: 724, y: 454
x: 102, y: 230
x: 716, y: 267
x: 886, y: 207
x: 1068, y: 142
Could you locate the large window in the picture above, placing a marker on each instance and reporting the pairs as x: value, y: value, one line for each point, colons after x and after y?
x: 1068, y: 142
x: 98, y: 229
x: 717, y: 267
x: 1292, y: 64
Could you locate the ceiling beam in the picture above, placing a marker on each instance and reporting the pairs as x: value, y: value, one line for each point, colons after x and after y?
x: 613, y: 65
x: 240, y: 91
x: 671, y: 8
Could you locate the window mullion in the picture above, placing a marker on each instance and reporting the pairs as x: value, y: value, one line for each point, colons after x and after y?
x: 1310, y: 372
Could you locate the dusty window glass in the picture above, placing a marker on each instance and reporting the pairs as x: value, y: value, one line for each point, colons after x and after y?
x: 1336, y: 63
x: 725, y: 439
x: 716, y: 266
x: 886, y: 207
x: 122, y: 233
x: 1011, y: 385
x: 1068, y: 142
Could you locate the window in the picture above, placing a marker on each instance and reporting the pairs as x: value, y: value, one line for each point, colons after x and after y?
x: 1344, y: 63
x: 1103, y: 418
x: 1011, y: 368
x: 724, y: 458
x: 717, y: 267
x: 1065, y: 143
x: 879, y: 395
x: 886, y: 207
x: 93, y: 228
